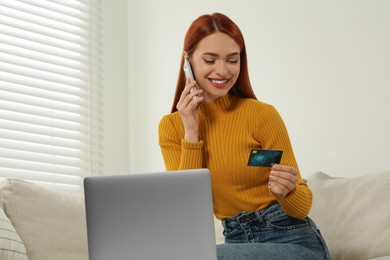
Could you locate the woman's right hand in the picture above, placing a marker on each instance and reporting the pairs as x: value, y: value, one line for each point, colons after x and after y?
x: 187, y: 107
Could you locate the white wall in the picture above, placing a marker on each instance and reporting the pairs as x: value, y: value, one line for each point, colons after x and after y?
x: 324, y: 65
x: 115, y: 86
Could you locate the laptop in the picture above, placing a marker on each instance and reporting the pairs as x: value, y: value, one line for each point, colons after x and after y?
x: 161, y: 215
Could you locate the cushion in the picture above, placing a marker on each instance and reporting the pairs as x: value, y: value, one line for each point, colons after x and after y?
x: 51, y: 223
x: 219, y: 237
x: 11, y: 246
x: 353, y: 214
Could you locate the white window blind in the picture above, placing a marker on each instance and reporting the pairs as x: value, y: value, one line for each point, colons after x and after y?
x: 46, y: 95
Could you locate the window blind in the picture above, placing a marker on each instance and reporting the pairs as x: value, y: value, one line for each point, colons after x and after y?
x: 45, y: 92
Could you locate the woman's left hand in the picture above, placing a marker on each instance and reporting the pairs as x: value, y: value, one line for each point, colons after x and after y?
x: 282, y: 180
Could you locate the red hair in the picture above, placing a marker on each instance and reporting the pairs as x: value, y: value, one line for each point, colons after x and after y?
x: 206, y: 25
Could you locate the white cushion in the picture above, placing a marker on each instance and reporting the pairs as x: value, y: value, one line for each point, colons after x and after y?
x: 51, y: 223
x: 353, y: 214
x: 219, y: 237
x: 11, y: 246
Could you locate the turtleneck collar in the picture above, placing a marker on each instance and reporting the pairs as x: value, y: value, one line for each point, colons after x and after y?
x: 218, y: 107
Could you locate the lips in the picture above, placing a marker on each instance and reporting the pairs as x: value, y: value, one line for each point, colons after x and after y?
x: 219, y: 83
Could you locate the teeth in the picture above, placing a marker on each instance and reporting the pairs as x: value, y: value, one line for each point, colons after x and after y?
x: 219, y: 81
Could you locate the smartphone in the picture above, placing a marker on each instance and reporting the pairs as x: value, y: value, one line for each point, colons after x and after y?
x: 188, y: 72
x: 264, y: 158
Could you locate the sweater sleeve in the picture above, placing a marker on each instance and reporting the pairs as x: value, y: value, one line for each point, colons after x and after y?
x: 178, y: 154
x: 272, y: 134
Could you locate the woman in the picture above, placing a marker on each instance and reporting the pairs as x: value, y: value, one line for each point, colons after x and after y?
x: 263, y: 209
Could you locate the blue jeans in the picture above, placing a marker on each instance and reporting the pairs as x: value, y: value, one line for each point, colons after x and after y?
x: 271, y: 234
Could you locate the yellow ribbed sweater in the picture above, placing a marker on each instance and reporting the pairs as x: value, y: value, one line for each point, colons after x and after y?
x: 228, y: 128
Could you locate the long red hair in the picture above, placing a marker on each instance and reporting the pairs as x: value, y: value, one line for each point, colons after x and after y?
x: 206, y: 25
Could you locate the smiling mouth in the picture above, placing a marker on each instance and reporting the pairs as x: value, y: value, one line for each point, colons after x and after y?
x: 219, y: 83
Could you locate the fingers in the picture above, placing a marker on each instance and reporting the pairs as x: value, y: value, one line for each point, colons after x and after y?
x: 284, y: 168
x: 283, y: 182
x: 282, y: 179
x: 187, y: 99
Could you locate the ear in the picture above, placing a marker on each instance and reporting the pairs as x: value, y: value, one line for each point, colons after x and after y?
x: 185, y: 55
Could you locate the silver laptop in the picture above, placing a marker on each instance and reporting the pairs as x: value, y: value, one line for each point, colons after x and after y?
x: 162, y: 215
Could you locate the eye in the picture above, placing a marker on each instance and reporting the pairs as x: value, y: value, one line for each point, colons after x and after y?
x: 209, y: 61
x: 233, y: 61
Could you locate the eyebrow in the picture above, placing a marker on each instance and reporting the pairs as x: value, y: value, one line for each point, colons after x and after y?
x: 217, y: 55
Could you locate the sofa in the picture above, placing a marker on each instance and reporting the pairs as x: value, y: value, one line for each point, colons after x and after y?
x: 38, y: 223
x: 352, y: 213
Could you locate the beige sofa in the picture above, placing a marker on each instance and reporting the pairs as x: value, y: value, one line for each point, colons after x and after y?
x: 353, y: 214
x: 36, y: 223
x: 42, y: 224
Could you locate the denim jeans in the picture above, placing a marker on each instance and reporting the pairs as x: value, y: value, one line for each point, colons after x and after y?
x: 271, y: 234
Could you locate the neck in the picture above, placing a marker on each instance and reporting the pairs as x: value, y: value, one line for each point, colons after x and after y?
x: 218, y: 107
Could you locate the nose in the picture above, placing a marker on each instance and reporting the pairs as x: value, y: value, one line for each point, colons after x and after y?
x: 221, y: 69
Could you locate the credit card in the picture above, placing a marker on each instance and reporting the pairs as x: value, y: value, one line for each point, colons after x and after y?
x: 264, y: 158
